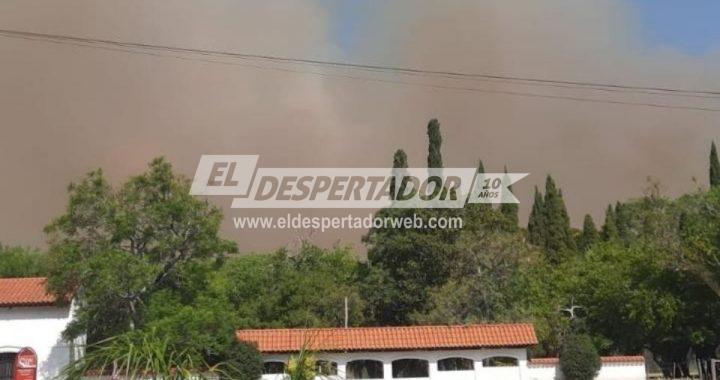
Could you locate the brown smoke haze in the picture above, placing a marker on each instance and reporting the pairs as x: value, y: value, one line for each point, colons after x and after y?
x: 69, y: 109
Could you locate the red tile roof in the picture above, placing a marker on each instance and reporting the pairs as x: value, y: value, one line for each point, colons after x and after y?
x: 24, y: 292
x: 604, y: 359
x: 391, y: 338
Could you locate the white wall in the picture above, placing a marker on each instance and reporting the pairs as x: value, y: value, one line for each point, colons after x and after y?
x: 40, y: 328
x: 495, y: 373
x: 608, y: 371
x: 524, y: 371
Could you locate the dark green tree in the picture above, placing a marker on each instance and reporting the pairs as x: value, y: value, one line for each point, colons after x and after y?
x: 510, y: 211
x: 399, y: 163
x: 589, y: 233
x: 434, y: 159
x: 480, y: 167
x: 536, y: 221
x: 558, y: 236
x: 714, y: 166
x: 476, y: 209
x: 623, y: 221
x: 407, y: 263
x: 242, y: 361
x: 609, y: 229
x: 579, y: 359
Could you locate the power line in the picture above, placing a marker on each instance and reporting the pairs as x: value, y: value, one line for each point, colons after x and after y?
x: 130, y: 47
x: 410, y: 70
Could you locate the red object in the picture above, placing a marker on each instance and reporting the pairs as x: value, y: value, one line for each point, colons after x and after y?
x: 391, y: 338
x: 25, y: 365
x: 24, y: 292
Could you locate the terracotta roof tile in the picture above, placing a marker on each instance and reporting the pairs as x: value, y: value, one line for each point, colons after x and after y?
x: 391, y: 338
x: 24, y: 292
x: 604, y: 359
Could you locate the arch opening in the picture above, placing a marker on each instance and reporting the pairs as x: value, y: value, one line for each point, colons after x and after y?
x: 364, y: 369
x: 456, y: 364
x: 500, y: 361
x: 406, y: 368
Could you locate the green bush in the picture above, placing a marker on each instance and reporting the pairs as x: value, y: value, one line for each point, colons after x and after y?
x: 242, y: 362
x: 579, y: 359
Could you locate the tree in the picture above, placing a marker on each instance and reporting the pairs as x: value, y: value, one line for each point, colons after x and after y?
x: 609, y: 229
x: 304, y: 289
x: 623, y: 221
x: 480, y: 167
x: 510, y: 210
x: 579, y: 359
x: 558, y: 237
x: 242, y: 361
x: 699, y: 229
x: 714, y: 166
x: 399, y: 163
x: 118, y: 247
x: 477, y: 210
x: 21, y: 262
x: 589, y: 233
x: 480, y: 287
x: 536, y: 221
x: 434, y: 158
x: 407, y: 263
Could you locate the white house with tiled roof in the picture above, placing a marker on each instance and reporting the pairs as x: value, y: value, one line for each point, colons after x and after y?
x: 469, y: 352
x: 32, y: 322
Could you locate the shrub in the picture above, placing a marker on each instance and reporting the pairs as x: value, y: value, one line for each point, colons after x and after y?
x: 242, y: 362
x: 138, y: 355
x: 579, y: 359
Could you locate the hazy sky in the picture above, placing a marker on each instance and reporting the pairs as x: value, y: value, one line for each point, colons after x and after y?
x: 68, y: 109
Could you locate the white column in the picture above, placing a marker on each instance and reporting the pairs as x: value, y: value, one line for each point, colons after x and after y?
x: 478, y: 370
x: 433, y: 369
x: 523, y: 364
x: 342, y: 369
x: 387, y: 370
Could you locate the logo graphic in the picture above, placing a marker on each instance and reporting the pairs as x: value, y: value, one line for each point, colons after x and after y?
x: 254, y: 187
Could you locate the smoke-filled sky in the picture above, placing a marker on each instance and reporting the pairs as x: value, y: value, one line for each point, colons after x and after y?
x: 69, y: 109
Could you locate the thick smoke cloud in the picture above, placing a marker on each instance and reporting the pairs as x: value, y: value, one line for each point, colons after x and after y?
x: 67, y: 110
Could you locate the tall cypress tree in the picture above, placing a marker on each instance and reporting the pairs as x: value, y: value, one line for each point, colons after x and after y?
x: 399, y: 163
x: 557, y: 223
x: 714, y: 166
x: 589, y: 234
x: 510, y: 211
x: 434, y: 158
x: 536, y: 222
x: 480, y: 178
x: 609, y: 230
x: 622, y: 221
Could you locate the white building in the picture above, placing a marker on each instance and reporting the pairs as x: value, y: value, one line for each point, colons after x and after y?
x: 31, y: 318
x: 471, y: 352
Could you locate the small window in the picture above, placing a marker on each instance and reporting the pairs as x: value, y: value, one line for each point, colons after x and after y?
x: 404, y: 368
x: 365, y: 369
x: 272, y: 368
x: 456, y: 364
x: 500, y: 361
x: 326, y: 368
